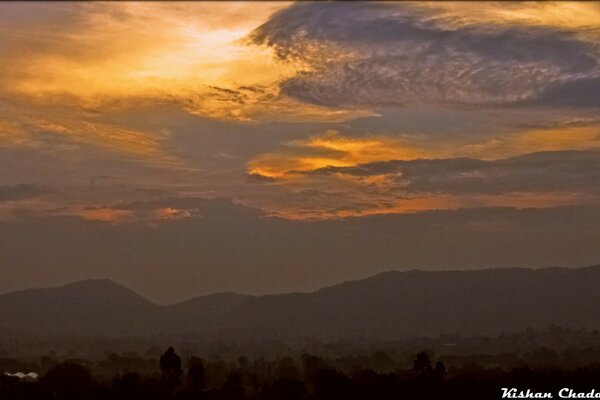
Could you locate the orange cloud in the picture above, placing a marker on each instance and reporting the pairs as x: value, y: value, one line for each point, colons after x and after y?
x: 335, y: 150
x: 112, y: 215
x: 108, y: 215
x: 170, y: 213
x: 330, y: 149
x: 391, y: 205
x: 126, y: 55
x: 563, y: 138
x: 33, y: 132
x: 13, y: 134
x: 344, y: 195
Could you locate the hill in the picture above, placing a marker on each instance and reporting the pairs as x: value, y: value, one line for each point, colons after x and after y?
x: 388, y: 305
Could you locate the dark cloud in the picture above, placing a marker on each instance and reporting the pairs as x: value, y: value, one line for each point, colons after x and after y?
x: 400, y: 54
x: 21, y: 191
x: 583, y: 92
x: 567, y: 170
x: 258, y: 178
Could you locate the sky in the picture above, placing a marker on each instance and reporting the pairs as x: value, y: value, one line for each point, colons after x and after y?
x: 188, y: 148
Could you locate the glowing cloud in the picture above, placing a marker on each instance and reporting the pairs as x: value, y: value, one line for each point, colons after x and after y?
x: 129, y: 55
x: 39, y: 133
x: 330, y: 149
x: 153, y: 93
x: 534, y: 140
x: 108, y: 215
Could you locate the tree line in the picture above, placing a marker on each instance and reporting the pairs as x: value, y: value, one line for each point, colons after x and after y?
x: 308, y: 377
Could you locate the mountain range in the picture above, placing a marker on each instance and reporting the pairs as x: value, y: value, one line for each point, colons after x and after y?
x: 385, y: 306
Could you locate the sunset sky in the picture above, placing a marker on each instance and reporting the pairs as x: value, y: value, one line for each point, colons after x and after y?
x: 188, y: 148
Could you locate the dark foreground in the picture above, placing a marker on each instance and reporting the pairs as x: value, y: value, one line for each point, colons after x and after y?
x: 308, y: 377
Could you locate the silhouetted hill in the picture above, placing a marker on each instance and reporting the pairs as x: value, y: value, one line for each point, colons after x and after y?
x: 91, y: 307
x: 202, y: 313
x: 388, y: 305
x: 105, y: 308
x: 418, y: 303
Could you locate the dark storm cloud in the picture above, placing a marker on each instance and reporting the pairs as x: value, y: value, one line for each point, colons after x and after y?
x: 21, y: 191
x: 401, y: 54
x: 536, y: 172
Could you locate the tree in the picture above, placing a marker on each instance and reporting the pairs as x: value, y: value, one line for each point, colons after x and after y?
x: 170, y: 365
x: 68, y: 381
x: 422, y: 364
x: 233, y: 388
x: 196, y: 373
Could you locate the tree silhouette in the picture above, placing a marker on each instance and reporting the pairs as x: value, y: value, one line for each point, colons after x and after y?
x: 422, y: 364
x: 196, y: 373
x: 233, y: 388
x: 288, y: 389
x: 68, y: 381
x: 170, y: 365
x: 286, y: 369
x: 439, y: 372
x: 332, y: 384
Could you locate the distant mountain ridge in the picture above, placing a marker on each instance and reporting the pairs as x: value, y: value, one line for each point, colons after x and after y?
x: 388, y: 305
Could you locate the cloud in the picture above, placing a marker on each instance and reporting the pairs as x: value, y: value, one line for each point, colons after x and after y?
x: 45, y: 132
x: 584, y: 92
x: 381, y: 55
x: 167, y: 209
x: 394, y: 174
x: 558, y: 171
x: 583, y: 135
x: 251, y: 104
x: 333, y: 151
x: 21, y: 191
x: 328, y: 149
x: 184, y: 56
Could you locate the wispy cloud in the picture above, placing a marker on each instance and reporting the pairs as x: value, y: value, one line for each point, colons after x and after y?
x: 388, y: 54
x: 131, y: 55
